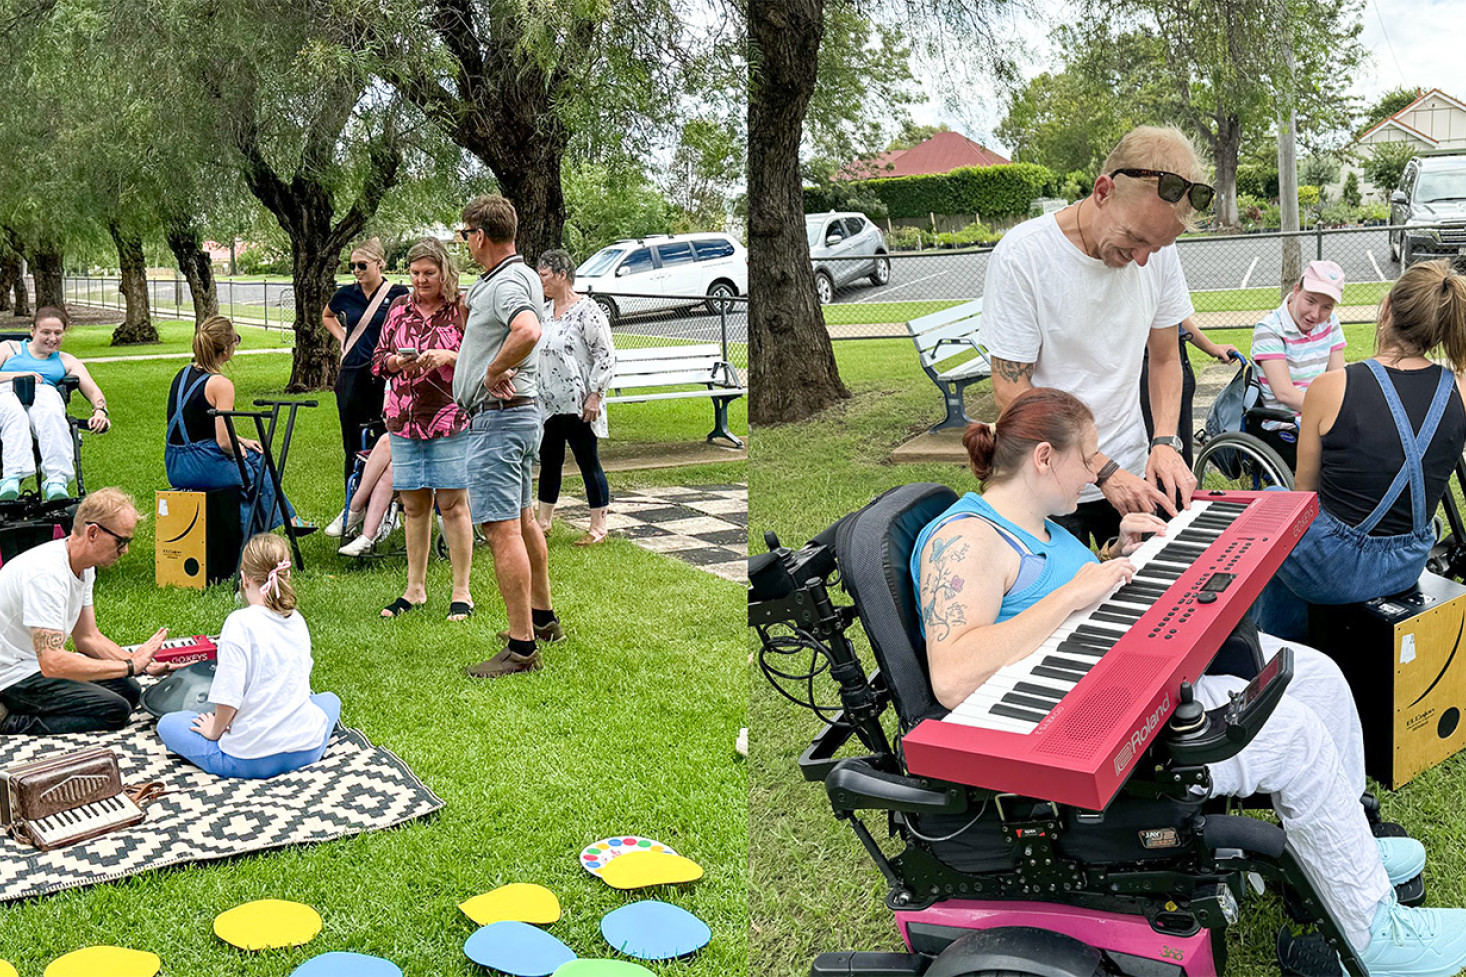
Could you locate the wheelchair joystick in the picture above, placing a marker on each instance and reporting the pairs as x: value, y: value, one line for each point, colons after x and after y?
x: 1189, y: 715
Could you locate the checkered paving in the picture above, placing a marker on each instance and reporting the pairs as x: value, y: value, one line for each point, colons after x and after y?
x: 704, y: 525
x: 355, y: 787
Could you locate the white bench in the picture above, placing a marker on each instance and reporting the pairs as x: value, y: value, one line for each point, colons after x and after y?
x: 701, y: 366
x: 950, y: 346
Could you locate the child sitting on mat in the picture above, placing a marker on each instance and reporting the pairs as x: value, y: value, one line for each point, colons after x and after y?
x: 266, y: 722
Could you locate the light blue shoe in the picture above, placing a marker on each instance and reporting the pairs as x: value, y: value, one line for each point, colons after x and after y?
x: 55, y: 489
x: 9, y: 489
x: 1405, y: 942
x: 1404, y: 858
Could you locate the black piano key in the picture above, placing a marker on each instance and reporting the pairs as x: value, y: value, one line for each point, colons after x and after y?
x: 1028, y: 702
x: 1013, y: 712
x: 1096, y: 642
x: 1071, y: 647
x: 1216, y: 525
x: 1189, y: 549
x: 1141, y: 588
x: 1043, y: 691
x: 1197, y: 536
x: 1160, y: 574
x: 1131, y: 600
x: 1172, y: 563
x: 1068, y: 664
x: 1046, y: 671
x: 1116, y: 617
x: 1107, y: 633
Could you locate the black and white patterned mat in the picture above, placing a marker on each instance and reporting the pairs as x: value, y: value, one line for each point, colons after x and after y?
x: 355, y: 787
x: 704, y: 525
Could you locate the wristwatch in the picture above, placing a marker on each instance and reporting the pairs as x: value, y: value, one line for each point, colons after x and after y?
x: 1170, y: 441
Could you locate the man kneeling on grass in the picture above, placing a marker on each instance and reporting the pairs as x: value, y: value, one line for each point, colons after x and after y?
x: 46, y: 597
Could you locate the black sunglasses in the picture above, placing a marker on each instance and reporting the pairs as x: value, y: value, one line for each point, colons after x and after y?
x: 1171, y: 187
x: 358, y: 265
x: 122, y: 541
x: 463, y: 233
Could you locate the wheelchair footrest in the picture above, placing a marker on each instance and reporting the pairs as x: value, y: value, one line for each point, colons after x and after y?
x: 1307, y: 955
x: 864, y: 963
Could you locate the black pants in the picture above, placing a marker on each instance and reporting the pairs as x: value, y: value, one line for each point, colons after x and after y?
x: 359, y: 401
x: 1284, y: 442
x: 1188, y: 392
x: 1096, y: 519
x: 560, y: 430
x: 40, y: 705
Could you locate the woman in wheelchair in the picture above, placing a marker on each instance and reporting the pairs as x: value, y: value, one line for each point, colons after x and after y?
x: 1372, y: 537
x: 995, y: 576
x: 35, y: 404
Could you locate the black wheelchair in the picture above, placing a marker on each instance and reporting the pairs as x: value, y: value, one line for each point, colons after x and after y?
x: 1231, y: 456
x: 1001, y: 885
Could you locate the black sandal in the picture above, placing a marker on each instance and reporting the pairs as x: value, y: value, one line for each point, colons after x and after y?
x: 398, y: 607
x: 462, y: 607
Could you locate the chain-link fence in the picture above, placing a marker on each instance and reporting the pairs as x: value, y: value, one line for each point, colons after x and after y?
x: 1234, y: 278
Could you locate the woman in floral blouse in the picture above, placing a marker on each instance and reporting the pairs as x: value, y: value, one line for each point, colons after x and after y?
x: 576, y: 361
x: 417, y: 353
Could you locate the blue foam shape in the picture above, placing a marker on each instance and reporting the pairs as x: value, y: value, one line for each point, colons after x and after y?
x: 339, y: 964
x: 653, y: 930
x: 517, y: 948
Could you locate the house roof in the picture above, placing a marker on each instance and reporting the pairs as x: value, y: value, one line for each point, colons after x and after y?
x: 942, y: 153
x: 1395, y: 119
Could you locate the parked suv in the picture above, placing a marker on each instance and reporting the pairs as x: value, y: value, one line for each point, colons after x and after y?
x: 1431, y: 196
x: 664, y: 271
x: 845, y: 247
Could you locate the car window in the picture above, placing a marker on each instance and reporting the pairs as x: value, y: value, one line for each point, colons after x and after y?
x: 713, y: 249
x: 679, y: 253
x: 854, y: 225
x: 1445, y: 183
x: 834, y: 229
x: 636, y: 262
x: 812, y: 231
x: 599, y: 263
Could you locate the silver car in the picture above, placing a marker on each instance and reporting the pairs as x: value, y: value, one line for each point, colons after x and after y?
x: 845, y: 247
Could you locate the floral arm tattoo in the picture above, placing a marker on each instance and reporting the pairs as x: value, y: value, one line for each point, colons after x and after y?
x: 44, y: 640
x: 942, y: 608
x: 1011, y: 371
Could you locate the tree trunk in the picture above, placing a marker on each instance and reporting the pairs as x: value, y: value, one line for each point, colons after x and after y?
x: 317, y: 355
x: 9, y: 277
x: 22, y: 304
x: 792, y: 362
x: 539, y: 201
x: 197, y: 267
x: 47, y: 261
x: 1224, y: 150
x: 137, y: 326
x: 12, y: 246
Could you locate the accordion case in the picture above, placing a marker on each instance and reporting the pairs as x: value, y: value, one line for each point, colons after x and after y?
x: 61, y: 799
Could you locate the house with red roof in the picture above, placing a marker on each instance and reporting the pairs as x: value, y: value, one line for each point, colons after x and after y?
x: 1434, y: 123
x: 942, y: 153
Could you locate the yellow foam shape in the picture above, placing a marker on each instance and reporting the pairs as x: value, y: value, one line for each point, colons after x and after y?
x: 521, y: 901
x: 114, y: 961
x: 7, y: 969
x: 267, y: 924
x: 637, y: 869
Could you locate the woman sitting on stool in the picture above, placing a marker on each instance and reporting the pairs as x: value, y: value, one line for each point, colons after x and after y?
x: 42, y: 361
x: 198, y: 455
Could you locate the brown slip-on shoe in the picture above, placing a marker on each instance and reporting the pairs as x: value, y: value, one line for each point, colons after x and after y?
x: 506, y: 662
x: 547, y: 634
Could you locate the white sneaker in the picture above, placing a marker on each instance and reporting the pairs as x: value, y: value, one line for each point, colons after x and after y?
x: 360, y: 546
x: 337, y: 525
x: 354, y: 519
x: 741, y: 745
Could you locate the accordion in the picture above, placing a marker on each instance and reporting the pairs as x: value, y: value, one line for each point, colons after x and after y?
x: 65, y: 798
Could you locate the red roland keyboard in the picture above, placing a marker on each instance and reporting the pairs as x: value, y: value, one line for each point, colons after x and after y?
x: 1068, y: 722
x: 184, y: 651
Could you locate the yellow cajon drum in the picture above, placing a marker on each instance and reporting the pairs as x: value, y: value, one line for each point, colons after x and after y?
x: 1405, y: 658
x: 196, y: 538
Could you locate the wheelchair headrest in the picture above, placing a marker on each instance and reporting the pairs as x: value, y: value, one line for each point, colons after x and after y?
x: 874, y: 547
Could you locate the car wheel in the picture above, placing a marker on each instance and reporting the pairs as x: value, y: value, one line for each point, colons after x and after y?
x: 718, y: 295
x: 1407, y: 253
x: 1394, y: 247
x: 608, y: 307
x: 824, y: 287
x: 882, y: 274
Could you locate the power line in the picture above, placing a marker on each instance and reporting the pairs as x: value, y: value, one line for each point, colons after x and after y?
x: 1393, y: 55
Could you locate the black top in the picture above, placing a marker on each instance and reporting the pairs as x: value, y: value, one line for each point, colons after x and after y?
x: 1362, y: 451
x: 349, y: 304
x: 196, y: 419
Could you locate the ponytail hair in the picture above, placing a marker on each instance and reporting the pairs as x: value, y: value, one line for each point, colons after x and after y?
x: 997, y: 452
x: 213, y: 342
x: 1427, y: 311
x: 266, y: 561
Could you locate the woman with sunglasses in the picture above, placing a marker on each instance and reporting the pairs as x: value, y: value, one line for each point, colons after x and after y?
x: 355, y: 316
x: 198, y: 454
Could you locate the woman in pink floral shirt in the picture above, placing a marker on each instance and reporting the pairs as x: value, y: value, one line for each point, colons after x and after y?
x: 417, y: 353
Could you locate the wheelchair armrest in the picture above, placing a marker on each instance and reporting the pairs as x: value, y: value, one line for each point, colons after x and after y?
x: 1252, y: 835
x: 1271, y: 414
x: 855, y: 785
x: 68, y: 385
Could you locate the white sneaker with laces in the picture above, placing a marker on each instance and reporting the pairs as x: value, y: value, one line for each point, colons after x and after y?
x: 337, y: 525
x: 360, y: 546
x: 1405, y: 942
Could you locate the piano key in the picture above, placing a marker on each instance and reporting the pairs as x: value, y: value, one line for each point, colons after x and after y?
x: 1045, y: 671
x: 1045, y: 691
x: 1071, y: 647
x: 1069, y: 664
x: 1028, y: 702
x: 1116, y: 616
x: 1013, y: 712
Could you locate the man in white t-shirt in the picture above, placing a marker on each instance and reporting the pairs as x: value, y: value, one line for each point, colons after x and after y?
x: 46, y: 597
x: 1073, y: 300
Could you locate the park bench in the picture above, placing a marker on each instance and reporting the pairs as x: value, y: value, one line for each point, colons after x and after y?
x: 697, y: 366
x: 949, y: 344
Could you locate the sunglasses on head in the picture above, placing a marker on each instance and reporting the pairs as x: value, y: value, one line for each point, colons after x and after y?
x: 1171, y: 187
x: 358, y: 265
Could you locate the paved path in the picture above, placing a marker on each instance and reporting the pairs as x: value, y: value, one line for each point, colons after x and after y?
x: 703, y: 525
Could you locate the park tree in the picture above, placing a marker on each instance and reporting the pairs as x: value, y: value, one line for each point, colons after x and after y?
x: 1067, y: 121
x: 912, y: 134
x: 1387, y: 105
x: 1384, y: 163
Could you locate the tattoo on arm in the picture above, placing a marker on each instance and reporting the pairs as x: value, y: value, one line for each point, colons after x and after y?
x: 1013, y: 372
x: 43, y: 640
x: 942, y: 608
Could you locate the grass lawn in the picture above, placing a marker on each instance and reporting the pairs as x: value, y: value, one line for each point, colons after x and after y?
x: 629, y: 728
x: 814, y: 889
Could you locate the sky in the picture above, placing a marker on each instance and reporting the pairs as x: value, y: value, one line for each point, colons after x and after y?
x: 1416, y: 43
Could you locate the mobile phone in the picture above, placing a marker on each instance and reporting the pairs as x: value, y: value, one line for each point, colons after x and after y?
x: 406, y: 351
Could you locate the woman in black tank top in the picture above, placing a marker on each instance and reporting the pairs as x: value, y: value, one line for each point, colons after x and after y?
x: 1378, y: 442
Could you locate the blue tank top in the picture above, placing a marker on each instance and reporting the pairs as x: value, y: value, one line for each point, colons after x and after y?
x: 1060, y: 558
x: 51, y: 368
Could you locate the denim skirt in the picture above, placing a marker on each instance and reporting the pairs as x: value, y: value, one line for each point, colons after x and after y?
x: 430, y: 463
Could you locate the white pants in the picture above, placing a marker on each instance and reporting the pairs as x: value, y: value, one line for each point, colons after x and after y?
x: 1310, y: 757
x: 47, y: 418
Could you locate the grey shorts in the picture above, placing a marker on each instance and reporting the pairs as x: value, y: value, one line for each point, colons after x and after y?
x: 502, y: 445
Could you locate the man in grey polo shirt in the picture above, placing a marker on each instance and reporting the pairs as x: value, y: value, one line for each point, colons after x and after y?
x: 494, y: 381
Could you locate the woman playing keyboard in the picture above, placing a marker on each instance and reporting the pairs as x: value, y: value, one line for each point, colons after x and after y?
x: 996, y: 576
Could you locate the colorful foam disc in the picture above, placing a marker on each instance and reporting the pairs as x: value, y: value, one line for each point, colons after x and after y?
x: 339, y: 964
x: 524, y: 901
x: 517, y: 948
x: 638, y: 869
x: 267, y: 924
x: 653, y: 930
x: 602, y: 968
x: 595, y: 857
x: 7, y: 969
x: 114, y: 961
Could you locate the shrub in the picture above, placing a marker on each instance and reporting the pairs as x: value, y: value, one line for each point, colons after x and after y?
x: 262, y: 260
x: 1350, y: 192
x: 1308, y: 195
x: 906, y: 239
x: 993, y: 191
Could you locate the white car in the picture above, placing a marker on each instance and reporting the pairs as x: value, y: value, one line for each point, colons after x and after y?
x: 664, y: 271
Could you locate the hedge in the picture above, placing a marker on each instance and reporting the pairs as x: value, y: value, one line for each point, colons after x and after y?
x: 992, y: 191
